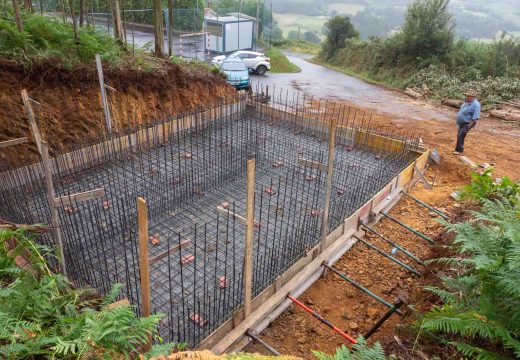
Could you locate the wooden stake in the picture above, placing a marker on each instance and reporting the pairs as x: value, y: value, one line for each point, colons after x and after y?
x: 47, y: 169
x: 7, y: 143
x: 144, y: 266
x: 106, y: 109
x: 32, y: 121
x: 248, y: 253
x: 328, y: 189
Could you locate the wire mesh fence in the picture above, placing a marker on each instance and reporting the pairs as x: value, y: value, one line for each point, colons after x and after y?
x: 191, y: 169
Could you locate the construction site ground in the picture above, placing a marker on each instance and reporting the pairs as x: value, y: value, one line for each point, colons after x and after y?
x: 297, y: 333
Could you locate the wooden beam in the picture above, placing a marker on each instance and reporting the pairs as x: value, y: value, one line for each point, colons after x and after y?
x: 231, y: 214
x: 144, y: 268
x: 32, y: 121
x: 79, y: 197
x: 47, y: 169
x: 328, y: 186
x: 423, y: 178
x: 248, y: 253
x: 312, y: 164
x: 4, y: 144
x: 165, y: 253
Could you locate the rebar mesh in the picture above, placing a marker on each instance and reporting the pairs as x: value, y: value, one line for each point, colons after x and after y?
x: 186, y: 167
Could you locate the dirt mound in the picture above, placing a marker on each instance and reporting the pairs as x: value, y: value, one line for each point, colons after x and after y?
x: 69, y: 108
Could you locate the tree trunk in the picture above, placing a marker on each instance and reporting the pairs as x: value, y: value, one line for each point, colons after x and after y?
x: 170, y: 27
x: 18, y: 18
x: 116, y: 15
x: 74, y: 20
x: 28, y: 5
x: 63, y: 12
x: 81, y: 12
x: 158, y: 27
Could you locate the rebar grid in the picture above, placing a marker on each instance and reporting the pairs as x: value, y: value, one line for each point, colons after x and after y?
x: 187, y: 166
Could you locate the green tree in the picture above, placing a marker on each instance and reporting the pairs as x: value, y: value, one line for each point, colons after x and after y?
x: 339, y: 29
x: 312, y: 37
x: 188, y: 15
x: 427, y: 34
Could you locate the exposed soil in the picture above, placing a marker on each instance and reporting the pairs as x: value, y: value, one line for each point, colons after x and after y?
x: 297, y: 333
x: 70, y: 108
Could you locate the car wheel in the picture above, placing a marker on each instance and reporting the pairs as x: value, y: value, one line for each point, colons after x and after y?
x: 261, y: 70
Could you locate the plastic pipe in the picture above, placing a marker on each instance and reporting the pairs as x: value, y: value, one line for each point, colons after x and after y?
x: 322, y: 319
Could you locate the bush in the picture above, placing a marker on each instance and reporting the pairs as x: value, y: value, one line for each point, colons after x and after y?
x: 480, y: 316
x: 46, y: 38
x: 427, y: 33
x: 339, y: 29
x: 41, y: 315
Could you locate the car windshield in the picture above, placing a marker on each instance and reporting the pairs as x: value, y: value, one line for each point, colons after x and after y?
x: 233, y: 66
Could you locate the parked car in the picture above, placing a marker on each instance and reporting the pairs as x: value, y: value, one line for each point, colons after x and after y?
x: 255, y: 61
x: 236, y: 72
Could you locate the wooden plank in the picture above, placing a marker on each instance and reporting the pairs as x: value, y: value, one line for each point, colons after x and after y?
x: 248, y: 253
x: 312, y: 164
x: 106, y: 109
x: 79, y: 197
x: 328, y: 186
x: 32, y: 121
x: 231, y: 214
x: 163, y: 254
x: 423, y: 178
x: 46, y: 163
x: 144, y: 266
x: 468, y: 162
x: 4, y: 144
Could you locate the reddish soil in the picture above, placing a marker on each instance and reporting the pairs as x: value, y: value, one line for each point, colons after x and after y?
x: 70, y: 108
x: 297, y: 333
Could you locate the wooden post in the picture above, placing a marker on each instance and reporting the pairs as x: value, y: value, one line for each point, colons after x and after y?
x: 328, y: 189
x: 55, y: 222
x: 102, y: 88
x: 32, y: 121
x: 144, y: 265
x: 248, y: 253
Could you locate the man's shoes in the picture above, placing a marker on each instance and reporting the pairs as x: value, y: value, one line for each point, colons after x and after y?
x: 456, y: 153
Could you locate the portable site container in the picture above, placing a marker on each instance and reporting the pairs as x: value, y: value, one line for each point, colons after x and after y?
x: 229, y: 33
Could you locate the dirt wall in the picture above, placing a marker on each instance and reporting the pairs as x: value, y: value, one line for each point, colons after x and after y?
x: 70, y: 108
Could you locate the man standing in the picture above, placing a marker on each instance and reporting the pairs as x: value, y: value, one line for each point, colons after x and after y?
x: 467, y: 118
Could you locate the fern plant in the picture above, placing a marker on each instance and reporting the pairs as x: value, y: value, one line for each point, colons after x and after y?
x: 42, y: 315
x: 360, y: 351
x: 482, y: 305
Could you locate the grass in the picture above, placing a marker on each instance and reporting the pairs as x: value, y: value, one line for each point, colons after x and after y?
x: 302, y: 47
x: 288, y: 22
x: 280, y: 63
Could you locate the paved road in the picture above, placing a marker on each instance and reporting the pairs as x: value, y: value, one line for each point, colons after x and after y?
x: 321, y: 82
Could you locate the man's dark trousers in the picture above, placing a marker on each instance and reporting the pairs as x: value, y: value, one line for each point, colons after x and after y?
x: 461, y: 136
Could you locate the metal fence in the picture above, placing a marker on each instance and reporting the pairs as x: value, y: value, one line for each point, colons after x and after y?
x: 191, y: 170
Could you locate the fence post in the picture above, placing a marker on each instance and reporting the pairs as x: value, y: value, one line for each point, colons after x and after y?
x: 55, y: 222
x: 43, y: 149
x: 328, y: 189
x: 32, y: 121
x: 106, y: 109
x: 144, y: 265
x: 248, y: 253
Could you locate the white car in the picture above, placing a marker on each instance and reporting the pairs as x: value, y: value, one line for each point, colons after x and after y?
x: 255, y: 61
